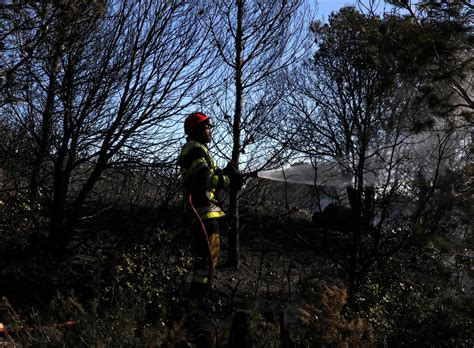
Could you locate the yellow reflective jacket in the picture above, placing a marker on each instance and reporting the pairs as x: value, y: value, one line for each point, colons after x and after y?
x: 202, y: 179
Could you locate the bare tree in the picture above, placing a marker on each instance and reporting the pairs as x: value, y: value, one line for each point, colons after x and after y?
x: 256, y: 41
x: 104, y: 86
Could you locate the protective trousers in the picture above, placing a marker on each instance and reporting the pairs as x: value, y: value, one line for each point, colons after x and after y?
x: 202, y: 275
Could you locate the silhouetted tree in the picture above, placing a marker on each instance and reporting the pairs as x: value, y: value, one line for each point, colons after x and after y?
x: 256, y: 41
x: 103, y: 84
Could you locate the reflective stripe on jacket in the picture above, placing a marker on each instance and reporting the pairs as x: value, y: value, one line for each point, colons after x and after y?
x: 202, y: 179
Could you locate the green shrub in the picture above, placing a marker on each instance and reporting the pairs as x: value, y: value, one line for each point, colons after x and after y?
x: 415, y: 313
x: 139, y: 303
x: 19, y: 222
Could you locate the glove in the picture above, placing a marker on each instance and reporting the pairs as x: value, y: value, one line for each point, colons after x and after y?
x: 235, y: 177
x: 253, y: 174
x: 231, y: 169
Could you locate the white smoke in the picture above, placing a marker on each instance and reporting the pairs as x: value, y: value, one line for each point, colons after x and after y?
x: 422, y: 154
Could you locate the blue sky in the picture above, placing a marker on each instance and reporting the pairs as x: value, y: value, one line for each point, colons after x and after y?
x: 325, y: 7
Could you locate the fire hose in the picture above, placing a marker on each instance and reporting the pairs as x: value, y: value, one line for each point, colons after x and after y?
x: 203, y: 233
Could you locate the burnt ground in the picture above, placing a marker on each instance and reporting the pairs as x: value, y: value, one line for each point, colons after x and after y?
x: 281, y: 270
x: 125, y: 275
x: 280, y: 258
x: 281, y: 263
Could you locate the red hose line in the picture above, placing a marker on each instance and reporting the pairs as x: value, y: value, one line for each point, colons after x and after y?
x: 203, y: 231
x: 6, y: 329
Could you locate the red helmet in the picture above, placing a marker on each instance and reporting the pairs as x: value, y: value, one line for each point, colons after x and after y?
x: 193, y: 120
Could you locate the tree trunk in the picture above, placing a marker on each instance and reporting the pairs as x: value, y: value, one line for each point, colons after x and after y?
x: 45, y: 134
x: 234, y: 247
x: 84, y: 192
x: 354, y: 198
x: 356, y: 201
x: 59, y: 236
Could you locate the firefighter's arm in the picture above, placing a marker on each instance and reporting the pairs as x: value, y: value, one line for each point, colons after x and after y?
x: 220, y: 179
x: 236, y: 178
x: 202, y: 174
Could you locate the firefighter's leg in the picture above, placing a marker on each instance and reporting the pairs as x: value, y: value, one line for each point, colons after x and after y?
x: 201, y: 280
x: 212, y: 228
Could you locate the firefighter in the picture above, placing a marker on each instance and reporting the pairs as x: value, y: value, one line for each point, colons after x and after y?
x: 202, y: 181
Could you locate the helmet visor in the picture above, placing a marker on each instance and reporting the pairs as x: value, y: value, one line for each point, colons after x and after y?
x: 209, y: 122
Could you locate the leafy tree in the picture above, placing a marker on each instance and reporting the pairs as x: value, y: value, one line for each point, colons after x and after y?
x: 354, y: 105
x: 441, y: 52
